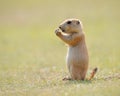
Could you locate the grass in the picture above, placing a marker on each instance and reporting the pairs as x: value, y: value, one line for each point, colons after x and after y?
x: 32, y: 58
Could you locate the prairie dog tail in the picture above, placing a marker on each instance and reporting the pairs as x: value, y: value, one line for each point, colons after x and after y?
x: 93, y: 73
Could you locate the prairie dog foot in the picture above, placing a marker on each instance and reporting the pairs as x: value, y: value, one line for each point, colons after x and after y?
x: 66, y: 78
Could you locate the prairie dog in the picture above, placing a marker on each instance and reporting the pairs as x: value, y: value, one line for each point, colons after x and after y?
x: 71, y: 32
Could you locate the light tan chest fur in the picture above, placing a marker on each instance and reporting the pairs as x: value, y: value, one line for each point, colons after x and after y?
x: 78, y: 54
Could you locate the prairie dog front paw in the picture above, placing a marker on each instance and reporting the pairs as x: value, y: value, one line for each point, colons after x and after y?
x: 58, y: 32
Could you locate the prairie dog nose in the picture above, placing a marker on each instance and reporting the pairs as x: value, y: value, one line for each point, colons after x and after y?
x: 60, y: 27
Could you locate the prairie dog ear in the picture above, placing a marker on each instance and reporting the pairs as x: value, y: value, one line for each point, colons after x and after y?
x: 78, y: 22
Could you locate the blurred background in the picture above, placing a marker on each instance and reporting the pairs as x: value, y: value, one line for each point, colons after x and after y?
x: 27, y: 38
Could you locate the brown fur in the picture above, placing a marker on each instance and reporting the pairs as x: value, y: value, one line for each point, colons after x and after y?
x: 77, y: 56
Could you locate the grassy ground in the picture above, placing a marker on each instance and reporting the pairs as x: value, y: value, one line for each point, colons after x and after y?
x: 32, y: 58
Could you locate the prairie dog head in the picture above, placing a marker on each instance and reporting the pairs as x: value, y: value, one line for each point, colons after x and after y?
x: 70, y: 26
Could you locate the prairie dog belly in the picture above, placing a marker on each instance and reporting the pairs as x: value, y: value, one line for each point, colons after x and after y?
x: 77, y: 61
x: 77, y: 55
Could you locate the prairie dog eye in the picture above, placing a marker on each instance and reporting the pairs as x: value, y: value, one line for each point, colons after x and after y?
x: 69, y: 22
